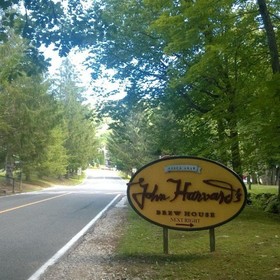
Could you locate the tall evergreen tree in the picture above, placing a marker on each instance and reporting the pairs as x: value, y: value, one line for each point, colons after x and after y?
x: 131, y: 142
x: 81, y: 141
x: 27, y: 111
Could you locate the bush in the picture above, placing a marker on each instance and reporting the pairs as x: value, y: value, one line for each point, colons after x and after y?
x: 266, y: 201
x: 273, y: 205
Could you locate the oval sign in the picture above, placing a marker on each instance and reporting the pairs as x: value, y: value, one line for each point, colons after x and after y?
x: 186, y: 193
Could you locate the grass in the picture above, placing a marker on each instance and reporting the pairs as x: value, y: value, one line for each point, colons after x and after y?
x: 263, y: 189
x: 47, y: 182
x: 248, y: 247
x: 38, y: 183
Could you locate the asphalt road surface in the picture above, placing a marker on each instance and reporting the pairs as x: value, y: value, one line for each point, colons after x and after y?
x: 35, y: 226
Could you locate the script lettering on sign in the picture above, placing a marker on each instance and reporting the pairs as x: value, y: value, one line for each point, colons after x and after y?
x: 223, y: 192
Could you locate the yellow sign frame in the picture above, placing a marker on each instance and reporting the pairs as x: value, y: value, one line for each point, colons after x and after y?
x: 187, y: 193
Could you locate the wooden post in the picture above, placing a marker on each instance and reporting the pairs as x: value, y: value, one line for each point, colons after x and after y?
x: 165, y: 240
x: 13, y: 185
x: 212, y: 239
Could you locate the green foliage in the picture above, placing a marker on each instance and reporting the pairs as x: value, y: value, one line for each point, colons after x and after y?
x: 131, y: 144
x: 205, y: 70
x: 80, y: 140
x: 30, y: 116
x: 27, y: 111
x: 44, y: 131
x: 54, y: 159
x: 207, y: 61
x: 267, y: 202
x: 273, y: 205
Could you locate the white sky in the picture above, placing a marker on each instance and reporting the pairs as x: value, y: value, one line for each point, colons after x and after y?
x: 77, y: 59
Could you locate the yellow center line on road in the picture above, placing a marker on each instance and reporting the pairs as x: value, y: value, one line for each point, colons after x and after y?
x: 32, y: 203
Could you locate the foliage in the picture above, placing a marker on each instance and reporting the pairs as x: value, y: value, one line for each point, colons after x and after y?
x: 208, y: 65
x: 43, y: 131
x: 267, y: 202
x: 41, y: 22
x: 31, y: 116
x: 273, y: 205
x: 80, y: 139
x: 54, y: 160
x: 206, y: 72
x: 26, y: 108
x: 130, y: 145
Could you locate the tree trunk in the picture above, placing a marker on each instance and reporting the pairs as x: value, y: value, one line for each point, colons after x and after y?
x: 9, y: 167
x: 27, y: 176
x: 278, y: 179
x: 235, y: 152
x: 271, y: 38
x: 223, y: 155
x: 233, y: 134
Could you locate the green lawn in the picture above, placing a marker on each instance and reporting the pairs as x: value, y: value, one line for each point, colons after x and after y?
x: 263, y: 189
x: 248, y: 247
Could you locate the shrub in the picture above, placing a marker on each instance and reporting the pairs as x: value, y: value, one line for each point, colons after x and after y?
x: 266, y: 201
x: 273, y: 205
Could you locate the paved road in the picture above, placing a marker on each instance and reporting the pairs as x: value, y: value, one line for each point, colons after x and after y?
x: 34, y: 226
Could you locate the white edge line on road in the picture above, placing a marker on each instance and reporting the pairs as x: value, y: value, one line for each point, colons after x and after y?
x: 68, y: 245
x: 122, y: 203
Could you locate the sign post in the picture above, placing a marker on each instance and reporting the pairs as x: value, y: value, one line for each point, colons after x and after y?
x: 165, y: 240
x: 212, y: 239
x: 187, y: 193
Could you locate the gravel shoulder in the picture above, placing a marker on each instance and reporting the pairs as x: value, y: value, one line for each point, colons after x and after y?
x: 93, y: 256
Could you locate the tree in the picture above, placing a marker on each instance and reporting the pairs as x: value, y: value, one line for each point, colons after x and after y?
x: 31, y: 122
x: 27, y: 111
x: 271, y: 37
x: 44, y: 22
x: 29, y: 115
x: 130, y: 144
x: 269, y: 136
x: 207, y: 58
x: 80, y: 132
x: 210, y: 61
x: 54, y: 160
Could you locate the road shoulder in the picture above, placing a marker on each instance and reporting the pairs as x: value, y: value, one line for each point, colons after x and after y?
x: 92, y: 257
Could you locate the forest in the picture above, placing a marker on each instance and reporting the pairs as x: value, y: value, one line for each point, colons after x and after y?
x: 202, y: 78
